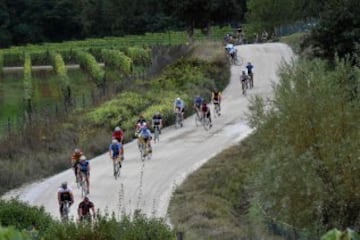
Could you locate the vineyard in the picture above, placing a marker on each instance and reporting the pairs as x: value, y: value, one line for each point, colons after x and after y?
x: 102, y: 62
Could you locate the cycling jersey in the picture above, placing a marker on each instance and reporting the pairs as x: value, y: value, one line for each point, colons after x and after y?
x: 145, y: 133
x: 65, y: 194
x: 204, y: 108
x: 115, y: 149
x: 249, y: 68
x: 118, y: 135
x: 179, y: 104
x: 216, y: 96
x: 156, y: 120
x: 76, y: 156
x: 243, y: 77
x: 198, y: 101
x: 85, y: 207
x: 83, y: 166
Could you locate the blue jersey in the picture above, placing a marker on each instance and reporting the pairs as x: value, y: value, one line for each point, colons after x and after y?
x: 249, y: 68
x: 145, y: 133
x: 179, y: 104
x: 83, y: 166
x: 198, y: 100
x: 115, y: 148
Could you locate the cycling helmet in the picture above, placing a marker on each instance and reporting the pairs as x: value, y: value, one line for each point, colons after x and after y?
x: 243, y: 72
x: 114, y: 141
x: 82, y: 158
x: 144, y: 124
x: 204, y: 102
x: 77, y: 150
x: 178, y: 99
x: 117, y: 128
x: 86, y: 199
x: 64, y: 185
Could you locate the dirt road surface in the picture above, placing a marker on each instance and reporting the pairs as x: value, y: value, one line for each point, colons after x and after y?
x: 148, y: 185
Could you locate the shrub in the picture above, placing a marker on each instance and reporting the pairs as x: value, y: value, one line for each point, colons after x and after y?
x: 22, y: 216
x: 140, y: 56
x: 88, y: 63
x: 27, y: 78
x: 118, y: 60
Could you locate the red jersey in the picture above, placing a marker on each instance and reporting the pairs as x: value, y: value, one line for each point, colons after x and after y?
x: 118, y: 134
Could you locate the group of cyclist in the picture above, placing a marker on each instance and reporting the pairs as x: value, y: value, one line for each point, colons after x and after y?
x: 247, y: 77
x: 65, y: 195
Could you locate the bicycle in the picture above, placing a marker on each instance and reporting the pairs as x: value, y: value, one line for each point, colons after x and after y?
x: 205, y: 121
x: 217, y: 110
x: 65, y: 210
x: 251, y: 80
x: 178, y: 119
x: 156, y: 133
x: 144, y: 150
x: 244, y: 87
x: 117, y: 167
x: 84, y: 190
x: 197, y: 118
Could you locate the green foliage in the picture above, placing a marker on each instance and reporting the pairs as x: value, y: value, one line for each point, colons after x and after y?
x: 28, y: 89
x: 140, y: 56
x: 11, y: 233
x: 1, y: 63
x: 60, y: 68
x: 117, y: 60
x: 89, y: 64
x: 338, y: 235
x: 22, y: 216
x: 138, y: 228
x: 330, y: 38
x: 40, y: 57
x: 309, y: 149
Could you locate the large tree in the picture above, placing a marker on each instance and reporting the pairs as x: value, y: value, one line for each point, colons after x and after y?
x: 203, y: 13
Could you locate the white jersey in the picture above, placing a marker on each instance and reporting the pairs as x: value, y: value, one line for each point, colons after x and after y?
x: 62, y: 190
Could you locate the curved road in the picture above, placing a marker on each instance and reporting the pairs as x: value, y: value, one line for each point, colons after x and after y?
x: 148, y: 185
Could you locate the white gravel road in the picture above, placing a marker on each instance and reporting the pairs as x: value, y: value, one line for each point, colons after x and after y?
x: 148, y: 185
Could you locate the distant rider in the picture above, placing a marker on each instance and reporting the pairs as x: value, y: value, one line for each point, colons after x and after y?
x: 84, y: 169
x: 116, y: 151
x: 205, y: 110
x: 250, y: 72
x: 157, y: 121
x: 118, y: 134
x: 197, y: 103
x: 216, y: 97
x: 145, y: 136
x: 179, y: 105
x: 75, y: 159
x: 244, y: 79
x: 84, y: 210
x: 231, y: 50
x: 64, y: 194
x: 141, y: 120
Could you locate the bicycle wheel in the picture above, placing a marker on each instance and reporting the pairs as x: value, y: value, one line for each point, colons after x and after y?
x: 206, y: 123
x: 156, y: 134
x: 178, y: 122
x: 84, y: 189
x: 65, y: 211
x: 116, y: 169
x: 197, y: 119
x: 142, y: 151
x: 243, y: 86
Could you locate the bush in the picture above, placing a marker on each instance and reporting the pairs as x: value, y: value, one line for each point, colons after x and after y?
x: 22, y: 216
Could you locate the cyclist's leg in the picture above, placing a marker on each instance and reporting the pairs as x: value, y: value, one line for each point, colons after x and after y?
x: 87, y: 178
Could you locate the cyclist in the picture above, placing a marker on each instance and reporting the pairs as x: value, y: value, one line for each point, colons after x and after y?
x: 197, y: 103
x: 205, y: 110
x: 179, y: 105
x: 216, y: 98
x: 145, y: 136
x: 231, y: 51
x: 250, y: 72
x: 157, y: 121
x: 138, y: 124
x: 64, y: 194
x: 118, y: 134
x: 84, y: 169
x: 84, y: 210
x: 116, y: 151
x: 244, y: 81
x: 75, y: 159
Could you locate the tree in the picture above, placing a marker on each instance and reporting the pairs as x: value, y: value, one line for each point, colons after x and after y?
x: 202, y: 13
x: 309, y: 152
x: 341, y: 37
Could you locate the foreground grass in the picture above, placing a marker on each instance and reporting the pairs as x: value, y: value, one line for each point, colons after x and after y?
x: 215, y: 203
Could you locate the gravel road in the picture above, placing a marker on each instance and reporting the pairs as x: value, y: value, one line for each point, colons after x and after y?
x: 148, y: 185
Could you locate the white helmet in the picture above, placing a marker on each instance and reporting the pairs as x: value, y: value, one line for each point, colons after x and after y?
x: 114, y: 141
x: 82, y: 158
x: 178, y: 99
x: 117, y: 128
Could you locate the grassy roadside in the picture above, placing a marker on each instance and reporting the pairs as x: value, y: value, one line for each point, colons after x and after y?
x: 215, y: 203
